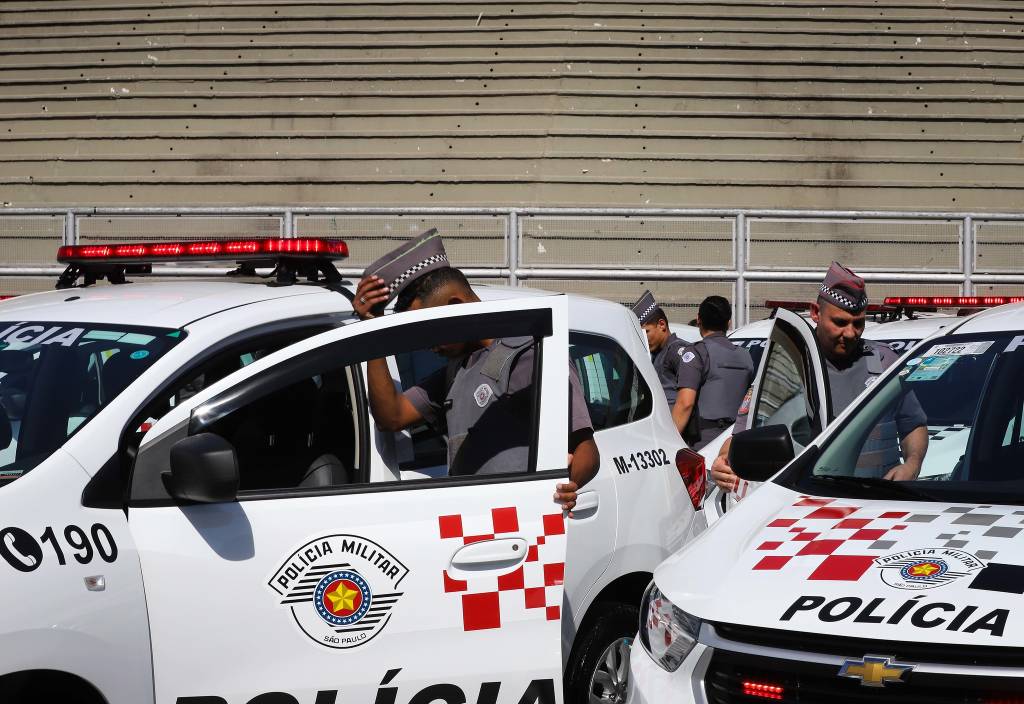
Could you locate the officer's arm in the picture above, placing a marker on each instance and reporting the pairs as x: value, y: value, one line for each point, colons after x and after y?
x: 914, y: 445
x: 586, y: 459
x: 682, y: 408
x: 391, y: 410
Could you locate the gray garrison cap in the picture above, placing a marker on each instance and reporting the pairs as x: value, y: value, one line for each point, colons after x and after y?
x: 403, y: 265
x: 645, y: 307
x: 844, y: 289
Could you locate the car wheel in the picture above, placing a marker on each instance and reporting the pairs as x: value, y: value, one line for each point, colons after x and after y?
x: 598, y: 669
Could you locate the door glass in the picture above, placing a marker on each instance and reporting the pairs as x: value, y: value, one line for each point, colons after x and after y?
x: 613, y: 388
x: 783, y: 395
x: 472, y: 407
x: 303, y: 435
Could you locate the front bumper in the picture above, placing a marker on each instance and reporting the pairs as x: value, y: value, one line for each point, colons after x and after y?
x: 650, y: 684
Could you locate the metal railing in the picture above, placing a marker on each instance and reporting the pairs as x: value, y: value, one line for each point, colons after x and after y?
x: 681, y: 254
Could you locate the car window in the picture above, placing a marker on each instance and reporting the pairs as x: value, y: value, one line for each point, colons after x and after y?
x: 219, y: 366
x: 783, y: 397
x: 613, y: 388
x: 303, y: 435
x: 55, y: 377
x: 973, y: 443
x: 308, y: 432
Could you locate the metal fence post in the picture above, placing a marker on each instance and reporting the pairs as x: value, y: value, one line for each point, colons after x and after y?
x: 739, y: 306
x: 70, y: 228
x: 512, y: 244
x: 968, y: 254
x: 288, y: 224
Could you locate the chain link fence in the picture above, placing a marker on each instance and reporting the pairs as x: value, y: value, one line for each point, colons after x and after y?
x: 681, y: 255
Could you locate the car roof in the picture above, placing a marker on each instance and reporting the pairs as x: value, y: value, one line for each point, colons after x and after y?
x: 910, y: 329
x: 175, y: 304
x: 1003, y: 318
x: 758, y: 329
x: 163, y: 304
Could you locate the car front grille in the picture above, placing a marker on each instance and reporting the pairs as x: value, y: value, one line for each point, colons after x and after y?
x: 743, y: 678
x: 760, y: 665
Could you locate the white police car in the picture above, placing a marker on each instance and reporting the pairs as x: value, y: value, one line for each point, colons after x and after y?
x: 196, y: 508
x: 831, y: 584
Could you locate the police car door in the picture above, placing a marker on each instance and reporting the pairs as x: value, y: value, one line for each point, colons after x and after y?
x: 320, y: 587
x: 790, y: 388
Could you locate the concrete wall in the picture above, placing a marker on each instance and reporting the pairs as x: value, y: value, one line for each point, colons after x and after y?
x: 737, y: 103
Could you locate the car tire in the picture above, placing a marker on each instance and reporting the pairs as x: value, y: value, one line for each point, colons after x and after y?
x: 598, y: 668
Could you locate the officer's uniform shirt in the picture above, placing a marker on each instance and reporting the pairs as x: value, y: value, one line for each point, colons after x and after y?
x: 487, y: 419
x: 667, y: 363
x: 721, y: 373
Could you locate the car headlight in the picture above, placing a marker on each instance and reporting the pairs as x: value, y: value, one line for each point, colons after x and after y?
x: 667, y: 633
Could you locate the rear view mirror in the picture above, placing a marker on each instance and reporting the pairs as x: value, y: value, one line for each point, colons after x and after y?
x: 757, y: 454
x: 204, y: 468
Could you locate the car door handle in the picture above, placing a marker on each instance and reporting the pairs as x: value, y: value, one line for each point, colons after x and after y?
x: 490, y: 554
x: 586, y: 501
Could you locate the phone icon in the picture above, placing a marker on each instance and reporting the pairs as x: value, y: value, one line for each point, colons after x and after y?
x: 20, y: 549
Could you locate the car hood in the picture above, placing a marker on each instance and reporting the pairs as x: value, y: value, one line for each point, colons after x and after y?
x: 887, y: 570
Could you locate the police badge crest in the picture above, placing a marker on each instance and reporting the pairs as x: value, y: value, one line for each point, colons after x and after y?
x: 340, y: 589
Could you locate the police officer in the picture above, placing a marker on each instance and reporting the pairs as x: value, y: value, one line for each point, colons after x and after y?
x: 713, y: 376
x: 852, y: 364
x: 666, y: 349
x: 481, y: 399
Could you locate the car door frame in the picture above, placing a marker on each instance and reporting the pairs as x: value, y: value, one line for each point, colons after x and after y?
x: 798, y: 330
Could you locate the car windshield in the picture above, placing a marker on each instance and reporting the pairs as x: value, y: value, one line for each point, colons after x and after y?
x: 55, y: 377
x: 949, y: 425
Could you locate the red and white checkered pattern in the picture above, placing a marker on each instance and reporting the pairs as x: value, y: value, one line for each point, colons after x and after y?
x: 826, y: 540
x: 533, y: 590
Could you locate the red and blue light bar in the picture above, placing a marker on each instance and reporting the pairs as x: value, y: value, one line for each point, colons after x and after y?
x: 233, y: 250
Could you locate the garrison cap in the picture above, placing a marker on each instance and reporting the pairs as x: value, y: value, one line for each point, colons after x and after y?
x: 844, y: 289
x: 645, y: 307
x: 403, y: 265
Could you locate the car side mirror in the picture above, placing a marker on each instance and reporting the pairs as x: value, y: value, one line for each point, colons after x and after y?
x: 204, y: 469
x: 757, y: 454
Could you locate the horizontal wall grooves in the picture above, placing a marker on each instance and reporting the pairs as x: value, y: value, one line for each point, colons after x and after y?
x: 913, y: 105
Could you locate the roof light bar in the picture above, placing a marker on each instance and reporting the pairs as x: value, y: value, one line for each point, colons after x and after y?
x: 233, y: 250
x: 805, y: 305
x: 951, y: 301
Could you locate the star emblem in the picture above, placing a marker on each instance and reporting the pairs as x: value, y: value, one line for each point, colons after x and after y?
x: 924, y: 570
x: 342, y: 598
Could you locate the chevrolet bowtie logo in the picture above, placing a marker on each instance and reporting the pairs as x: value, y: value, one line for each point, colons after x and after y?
x: 874, y: 670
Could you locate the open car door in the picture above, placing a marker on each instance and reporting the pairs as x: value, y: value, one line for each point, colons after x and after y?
x: 790, y: 388
x: 309, y: 580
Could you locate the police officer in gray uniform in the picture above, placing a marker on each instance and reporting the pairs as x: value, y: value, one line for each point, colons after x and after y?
x: 713, y: 375
x: 852, y: 364
x: 665, y: 347
x: 481, y: 399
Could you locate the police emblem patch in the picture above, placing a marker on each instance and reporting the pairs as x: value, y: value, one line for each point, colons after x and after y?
x: 483, y: 394
x: 340, y: 589
x: 688, y: 357
x: 926, y: 568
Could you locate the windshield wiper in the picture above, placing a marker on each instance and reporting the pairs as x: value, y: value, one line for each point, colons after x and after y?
x: 894, y: 488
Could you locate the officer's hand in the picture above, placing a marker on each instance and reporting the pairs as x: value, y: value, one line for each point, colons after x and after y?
x: 370, y: 292
x: 902, y: 473
x: 722, y: 474
x: 565, y: 494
